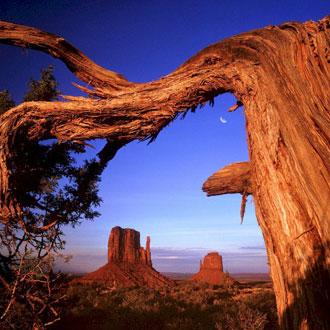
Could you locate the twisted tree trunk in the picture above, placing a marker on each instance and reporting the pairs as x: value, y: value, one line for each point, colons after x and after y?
x: 281, y: 75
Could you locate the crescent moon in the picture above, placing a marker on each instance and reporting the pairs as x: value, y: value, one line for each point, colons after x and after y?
x: 224, y: 121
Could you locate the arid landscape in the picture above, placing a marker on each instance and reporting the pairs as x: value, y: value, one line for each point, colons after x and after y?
x: 91, y: 93
x: 187, y: 305
x: 128, y: 293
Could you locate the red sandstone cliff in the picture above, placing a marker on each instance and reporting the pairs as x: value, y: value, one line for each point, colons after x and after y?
x: 211, y: 271
x: 129, y: 264
x: 124, y: 246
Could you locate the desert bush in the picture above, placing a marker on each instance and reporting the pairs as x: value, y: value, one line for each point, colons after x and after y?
x: 264, y: 302
x: 244, y: 318
x: 187, y: 306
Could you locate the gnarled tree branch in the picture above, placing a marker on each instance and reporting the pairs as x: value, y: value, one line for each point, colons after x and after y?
x: 133, y: 111
x: 231, y: 179
x: 282, y: 76
x: 84, y: 68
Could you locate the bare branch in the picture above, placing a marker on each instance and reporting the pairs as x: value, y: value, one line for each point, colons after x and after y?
x: 14, y: 288
x: 231, y: 179
x: 235, y: 106
x: 84, y: 68
x: 280, y: 74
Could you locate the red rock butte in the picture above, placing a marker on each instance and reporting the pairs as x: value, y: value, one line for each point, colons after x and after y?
x: 124, y: 247
x: 129, y: 264
x: 211, y: 271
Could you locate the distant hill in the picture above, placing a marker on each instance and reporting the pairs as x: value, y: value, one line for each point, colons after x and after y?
x: 241, y: 277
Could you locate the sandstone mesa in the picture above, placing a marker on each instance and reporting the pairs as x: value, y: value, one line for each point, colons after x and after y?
x: 211, y: 271
x: 129, y: 264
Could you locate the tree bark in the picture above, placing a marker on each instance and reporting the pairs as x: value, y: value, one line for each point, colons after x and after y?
x: 233, y: 178
x: 282, y: 77
x: 288, y: 126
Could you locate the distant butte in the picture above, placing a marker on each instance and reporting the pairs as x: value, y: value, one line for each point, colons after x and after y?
x: 129, y: 264
x: 124, y: 247
x: 211, y: 271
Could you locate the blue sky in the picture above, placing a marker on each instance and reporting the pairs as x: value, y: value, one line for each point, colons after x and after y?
x: 156, y: 188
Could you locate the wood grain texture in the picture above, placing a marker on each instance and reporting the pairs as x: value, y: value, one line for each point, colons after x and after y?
x: 84, y: 68
x: 281, y: 74
x: 231, y: 179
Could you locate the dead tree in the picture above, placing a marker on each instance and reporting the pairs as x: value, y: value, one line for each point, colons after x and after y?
x: 281, y: 76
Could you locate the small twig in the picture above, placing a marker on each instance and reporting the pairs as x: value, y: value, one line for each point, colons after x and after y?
x: 12, y: 296
x: 235, y: 106
x: 53, y: 310
x: 52, y: 322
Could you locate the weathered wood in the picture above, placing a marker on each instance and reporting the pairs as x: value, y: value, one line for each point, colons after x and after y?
x: 281, y: 75
x: 85, y: 69
x: 233, y: 178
